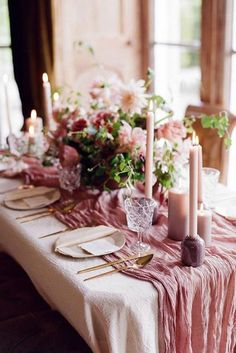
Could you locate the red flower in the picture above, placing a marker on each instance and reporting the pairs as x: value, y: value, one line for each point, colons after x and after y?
x: 79, y: 125
x: 102, y: 119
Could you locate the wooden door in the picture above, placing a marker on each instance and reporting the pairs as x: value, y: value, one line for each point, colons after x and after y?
x: 115, y: 31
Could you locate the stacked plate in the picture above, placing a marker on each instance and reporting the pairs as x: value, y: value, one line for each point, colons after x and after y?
x: 28, y: 199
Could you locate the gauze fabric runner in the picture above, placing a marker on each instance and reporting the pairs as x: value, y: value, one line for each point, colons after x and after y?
x: 38, y: 175
x: 197, y: 306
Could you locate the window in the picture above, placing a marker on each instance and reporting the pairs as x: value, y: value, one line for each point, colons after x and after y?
x: 6, y: 68
x: 177, y: 51
x: 195, y: 56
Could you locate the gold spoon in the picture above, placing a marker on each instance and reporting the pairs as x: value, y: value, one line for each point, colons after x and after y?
x: 138, y: 264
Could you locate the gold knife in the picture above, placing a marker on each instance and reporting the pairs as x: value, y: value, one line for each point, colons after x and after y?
x: 97, y: 267
x: 36, y: 216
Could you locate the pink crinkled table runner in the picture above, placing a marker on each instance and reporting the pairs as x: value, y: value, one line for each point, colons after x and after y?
x: 197, y: 306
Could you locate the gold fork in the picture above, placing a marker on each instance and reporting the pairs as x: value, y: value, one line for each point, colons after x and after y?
x: 66, y: 209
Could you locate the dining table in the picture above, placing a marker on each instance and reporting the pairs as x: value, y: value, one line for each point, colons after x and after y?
x: 119, y: 313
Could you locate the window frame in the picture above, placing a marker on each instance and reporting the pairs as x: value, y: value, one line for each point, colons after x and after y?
x: 216, y: 49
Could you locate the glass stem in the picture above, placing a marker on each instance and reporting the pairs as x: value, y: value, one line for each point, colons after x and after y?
x: 140, y: 237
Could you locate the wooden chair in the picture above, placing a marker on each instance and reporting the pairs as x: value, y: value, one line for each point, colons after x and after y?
x: 215, y: 154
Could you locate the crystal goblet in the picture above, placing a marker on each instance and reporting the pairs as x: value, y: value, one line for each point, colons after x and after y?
x: 210, y: 178
x: 69, y: 177
x: 139, y: 214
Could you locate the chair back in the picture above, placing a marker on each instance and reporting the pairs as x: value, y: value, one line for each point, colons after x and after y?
x: 215, y: 154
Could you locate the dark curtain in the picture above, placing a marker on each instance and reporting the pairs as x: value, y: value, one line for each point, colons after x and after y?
x: 32, y: 49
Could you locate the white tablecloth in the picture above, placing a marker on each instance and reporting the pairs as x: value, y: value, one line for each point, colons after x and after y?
x: 114, y: 314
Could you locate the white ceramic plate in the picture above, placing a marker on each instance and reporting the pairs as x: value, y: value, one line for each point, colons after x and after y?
x: 98, y: 247
x: 227, y: 209
x: 43, y: 201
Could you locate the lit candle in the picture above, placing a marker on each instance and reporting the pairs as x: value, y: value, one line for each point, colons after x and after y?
x: 177, y: 214
x: 56, y: 101
x: 47, y: 100
x: 149, y: 154
x: 199, y: 171
x: 34, y: 121
x: 31, y: 131
x: 204, y: 219
x: 193, y: 247
x: 5, y: 84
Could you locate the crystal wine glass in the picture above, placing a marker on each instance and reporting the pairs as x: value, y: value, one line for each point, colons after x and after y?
x: 210, y: 178
x: 139, y: 214
x: 69, y: 177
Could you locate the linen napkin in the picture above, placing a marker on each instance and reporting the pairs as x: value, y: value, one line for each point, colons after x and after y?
x: 36, y: 201
x: 82, y: 235
x: 28, y: 193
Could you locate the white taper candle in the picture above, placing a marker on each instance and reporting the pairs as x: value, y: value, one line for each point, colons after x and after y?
x: 149, y: 154
x: 47, y: 100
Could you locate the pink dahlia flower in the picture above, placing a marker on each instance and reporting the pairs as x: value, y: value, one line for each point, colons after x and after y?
x: 174, y: 130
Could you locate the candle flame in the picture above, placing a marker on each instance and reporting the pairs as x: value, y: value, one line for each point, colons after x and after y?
x: 33, y: 114
x: 56, y: 96
x: 5, y: 78
x: 201, y: 207
x: 45, y: 77
x: 196, y: 140
x: 31, y: 131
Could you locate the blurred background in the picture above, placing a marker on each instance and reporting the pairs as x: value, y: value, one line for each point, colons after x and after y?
x: 190, y: 44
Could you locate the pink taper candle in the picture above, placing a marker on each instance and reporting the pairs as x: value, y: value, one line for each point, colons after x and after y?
x: 178, y: 214
x: 199, y: 172
x: 193, y: 191
x: 149, y: 155
x: 204, y: 220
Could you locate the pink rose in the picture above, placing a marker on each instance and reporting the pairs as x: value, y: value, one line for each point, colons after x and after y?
x: 172, y: 131
x: 138, y: 141
x: 124, y: 137
x: 68, y: 156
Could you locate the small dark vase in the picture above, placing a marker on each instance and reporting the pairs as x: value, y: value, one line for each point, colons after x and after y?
x: 192, y: 251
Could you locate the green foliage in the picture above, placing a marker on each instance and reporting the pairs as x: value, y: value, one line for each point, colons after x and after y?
x: 188, y: 123
x: 165, y: 169
x: 150, y: 76
x: 219, y: 122
x: 87, y: 46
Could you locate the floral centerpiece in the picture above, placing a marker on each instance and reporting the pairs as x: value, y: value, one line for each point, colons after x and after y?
x: 110, y: 135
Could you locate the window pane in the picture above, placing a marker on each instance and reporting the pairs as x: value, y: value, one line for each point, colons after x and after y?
x: 177, y: 76
x: 233, y: 85
x: 177, y: 21
x: 6, y: 67
x: 4, y: 24
x: 234, y: 25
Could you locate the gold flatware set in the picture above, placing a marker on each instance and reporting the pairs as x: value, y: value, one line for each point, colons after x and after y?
x: 140, y: 262
x: 50, y: 210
